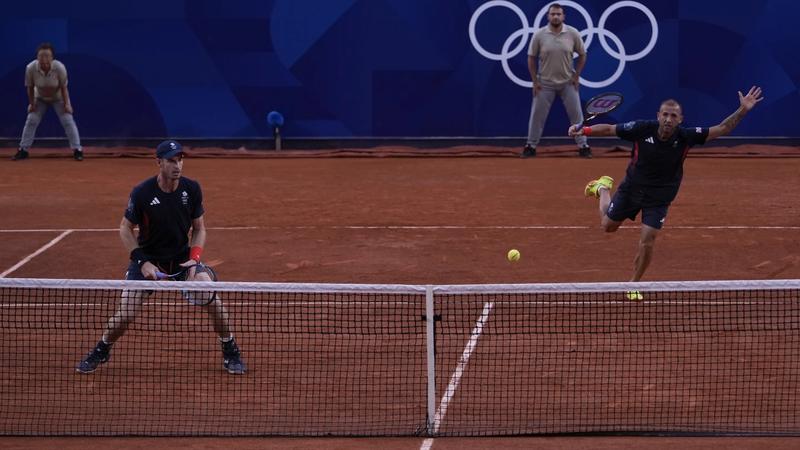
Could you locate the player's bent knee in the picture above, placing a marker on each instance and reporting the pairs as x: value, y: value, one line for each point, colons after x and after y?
x: 215, y: 303
x: 647, y: 242
x: 133, y: 298
x: 202, y: 276
x: 609, y: 226
x: 648, y: 236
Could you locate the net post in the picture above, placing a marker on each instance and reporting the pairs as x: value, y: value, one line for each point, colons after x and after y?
x: 431, y: 349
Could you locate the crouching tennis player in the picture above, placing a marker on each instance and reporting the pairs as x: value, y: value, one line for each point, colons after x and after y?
x: 165, y: 208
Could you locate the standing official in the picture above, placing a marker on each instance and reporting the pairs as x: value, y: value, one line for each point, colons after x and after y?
x: 550, y: 64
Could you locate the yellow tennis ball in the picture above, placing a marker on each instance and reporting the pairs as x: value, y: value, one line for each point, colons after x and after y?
x: 634, y: 295
x: 513, y: 255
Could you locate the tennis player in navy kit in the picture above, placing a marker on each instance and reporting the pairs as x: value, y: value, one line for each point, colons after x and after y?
x: 655, y: 170
x: 165, y: 208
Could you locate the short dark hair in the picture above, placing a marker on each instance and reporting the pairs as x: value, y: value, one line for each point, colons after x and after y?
x: 671, y: 102
x: 555, y: 5
x: 46, y: 46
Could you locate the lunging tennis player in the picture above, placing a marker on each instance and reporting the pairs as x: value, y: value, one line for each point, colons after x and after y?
x: 165, y: 208
x: 655, y: 170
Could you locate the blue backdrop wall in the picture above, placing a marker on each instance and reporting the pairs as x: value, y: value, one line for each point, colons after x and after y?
x: 344, y: 68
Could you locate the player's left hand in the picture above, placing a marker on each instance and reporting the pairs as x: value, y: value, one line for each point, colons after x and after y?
x: 575, y: 130
x: 190, y: 264
x: 576, y: 81
x: 749, y: 101
x: 68, y: 108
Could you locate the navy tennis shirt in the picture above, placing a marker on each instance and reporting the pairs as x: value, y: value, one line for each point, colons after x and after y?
x: 165, y: 218
x: 656, y: 165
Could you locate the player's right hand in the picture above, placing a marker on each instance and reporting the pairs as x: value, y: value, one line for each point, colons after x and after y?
x: 149, y: 271
x: 537, y: 87
x: 31, y: 108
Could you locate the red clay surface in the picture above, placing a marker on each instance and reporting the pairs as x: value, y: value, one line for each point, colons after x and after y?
x: 301, y: 209
x: 429, y: 220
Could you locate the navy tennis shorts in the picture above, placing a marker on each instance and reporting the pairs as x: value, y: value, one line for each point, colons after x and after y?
x: 626, y: 204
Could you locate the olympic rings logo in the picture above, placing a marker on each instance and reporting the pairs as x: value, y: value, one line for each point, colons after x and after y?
x: 523, y: 34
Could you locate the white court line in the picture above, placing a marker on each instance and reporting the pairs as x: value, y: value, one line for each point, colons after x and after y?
x: 456, y: 378
x: 108, y: 230
x: 462, y: 365
x: 36, y: 253
x: 432, y: 227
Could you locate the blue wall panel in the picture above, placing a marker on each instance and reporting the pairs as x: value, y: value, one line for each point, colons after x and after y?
x: 344, y: 68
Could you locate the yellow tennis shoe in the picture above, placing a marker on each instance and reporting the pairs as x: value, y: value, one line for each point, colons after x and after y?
x: 593, y: 188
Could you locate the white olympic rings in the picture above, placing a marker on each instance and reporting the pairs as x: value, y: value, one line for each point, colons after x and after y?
x: 522, y: 37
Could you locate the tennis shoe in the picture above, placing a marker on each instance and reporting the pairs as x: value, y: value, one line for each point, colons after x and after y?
x: 593, y: 188
x: 234, y: 365
x: 20, y: 155
x: 232, y: 358
x: 77, y: 155
x: 93, y: 361
x: 528, y: 152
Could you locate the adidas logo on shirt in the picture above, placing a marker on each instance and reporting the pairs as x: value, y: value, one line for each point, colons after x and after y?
x: 650, y: 140
x: 154, y: 201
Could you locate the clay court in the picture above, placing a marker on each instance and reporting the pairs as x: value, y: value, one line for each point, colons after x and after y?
x: 410, y: 220
x: 423, y: 220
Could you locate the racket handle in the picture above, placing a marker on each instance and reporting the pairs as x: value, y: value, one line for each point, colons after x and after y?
x: 161, y: 275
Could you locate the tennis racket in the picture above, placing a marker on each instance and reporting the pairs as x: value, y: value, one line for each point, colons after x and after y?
x: 601, y: 104
x: 197, y: 298
x: 172, y: 276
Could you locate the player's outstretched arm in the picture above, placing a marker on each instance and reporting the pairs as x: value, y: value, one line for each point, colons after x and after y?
x: 594, y: 130
x: 746, y: 103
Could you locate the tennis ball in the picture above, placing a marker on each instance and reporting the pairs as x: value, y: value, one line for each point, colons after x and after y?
x: 513, y: 255
x: 634, y: 295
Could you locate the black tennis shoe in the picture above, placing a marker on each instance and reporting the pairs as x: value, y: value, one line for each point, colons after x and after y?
x: 585, y: 152
x: 93, y: 360
x: 20, y: 155
x: 77, y: 155
x: 232, y: 358
x: 528, y: 152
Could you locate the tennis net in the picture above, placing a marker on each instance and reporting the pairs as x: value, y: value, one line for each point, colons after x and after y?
x: 691, y: 357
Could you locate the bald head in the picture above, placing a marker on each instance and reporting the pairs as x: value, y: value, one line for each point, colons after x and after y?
x: 673, y: 103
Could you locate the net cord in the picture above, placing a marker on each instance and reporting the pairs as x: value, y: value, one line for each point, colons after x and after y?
x: 332, y: 288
